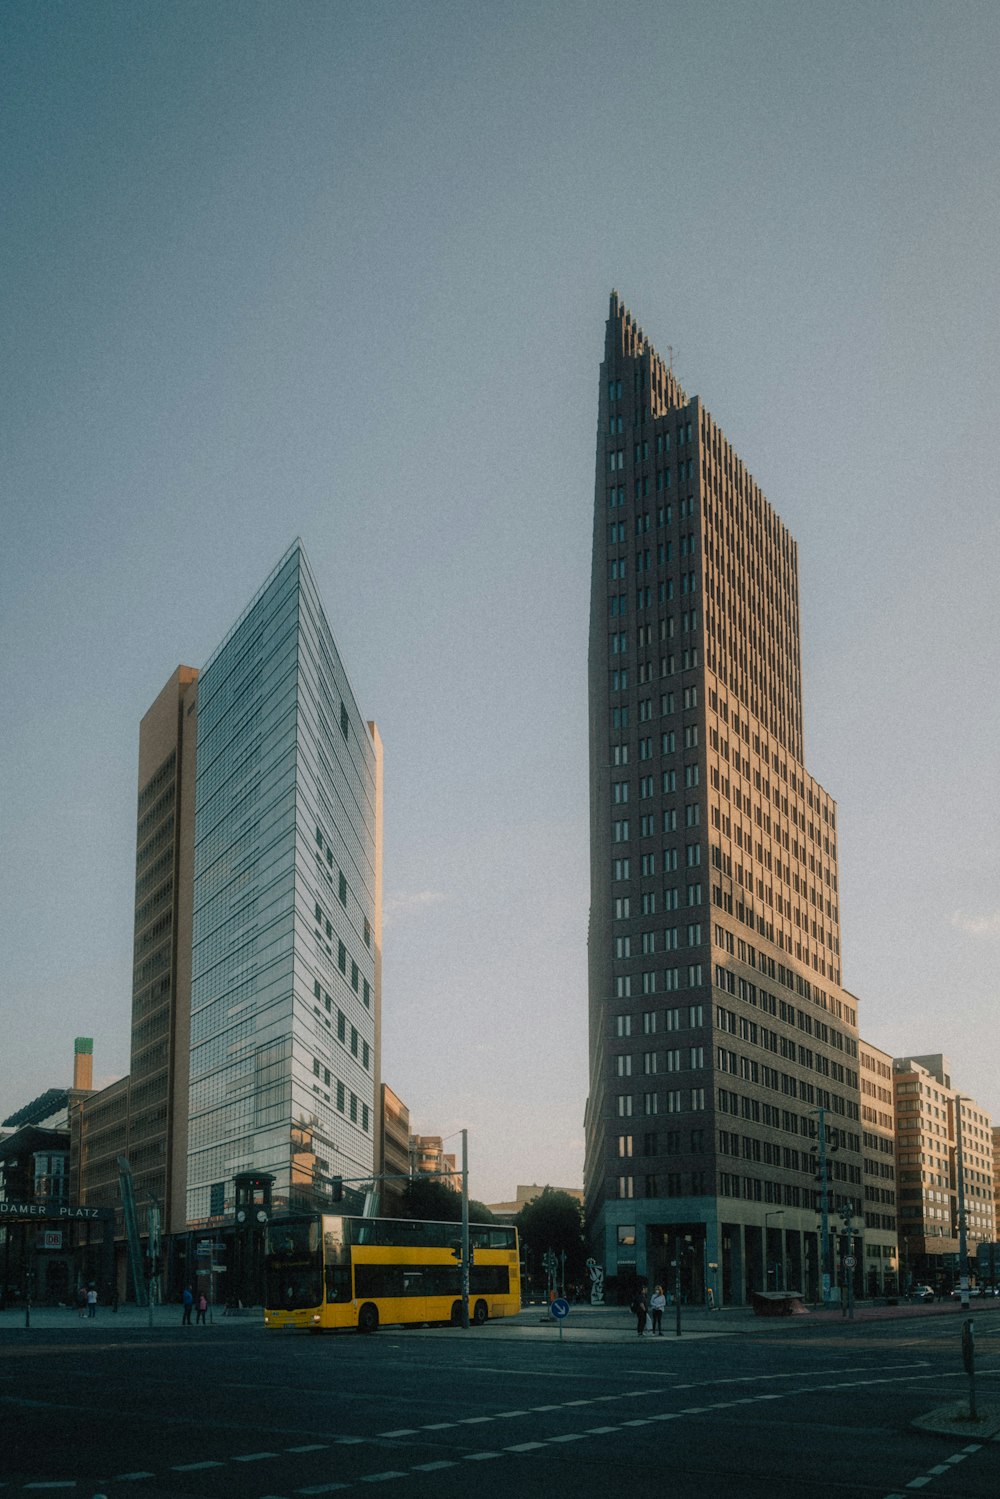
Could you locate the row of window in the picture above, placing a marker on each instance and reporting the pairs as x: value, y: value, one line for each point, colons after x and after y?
x: 651, y: 981
x: 664, y: 862
x: 360, y: 985
x: 650, y: 826
x: 347, y: 1103
x: 682, y: 1017
x: 646, y: 597
x: 648, y: 785
x: 359, y: 1047
x: 648, y: 635
x: 668, y: 938
x: 760, y: 998
x: 325, y: 849
x: 646, y: 559
x: 676, y: 1059
x: 646, y: 905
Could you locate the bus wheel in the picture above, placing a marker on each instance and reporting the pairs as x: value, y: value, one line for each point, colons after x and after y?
x: 368, y: 1318
x: 480, y: 1313
x: 456, y: 1314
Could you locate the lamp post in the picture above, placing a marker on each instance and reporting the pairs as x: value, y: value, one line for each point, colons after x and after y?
x: 847, y: 1218
x: 780, y: 1261
x: 824, y: 1207
x: 963, y: 1243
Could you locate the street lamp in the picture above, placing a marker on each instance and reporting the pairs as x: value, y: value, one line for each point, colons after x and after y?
x: 963, y: 1242
x: 824, y: 1202
x: 780, y: 1261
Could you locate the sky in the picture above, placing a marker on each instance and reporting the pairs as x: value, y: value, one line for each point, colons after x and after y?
x: 341, y: 272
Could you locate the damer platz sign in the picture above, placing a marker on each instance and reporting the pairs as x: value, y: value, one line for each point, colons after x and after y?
x: 64, y: 1211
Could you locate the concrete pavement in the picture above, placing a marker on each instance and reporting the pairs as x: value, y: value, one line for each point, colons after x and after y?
x: 590, y: 1323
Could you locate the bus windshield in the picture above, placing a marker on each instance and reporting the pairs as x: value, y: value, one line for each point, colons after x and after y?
x: 293, y: 1265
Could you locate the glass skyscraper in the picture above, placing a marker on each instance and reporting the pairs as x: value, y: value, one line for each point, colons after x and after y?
x: 286, y: 962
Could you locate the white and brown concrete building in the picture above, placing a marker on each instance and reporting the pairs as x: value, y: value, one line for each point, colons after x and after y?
x: 721, y: 1038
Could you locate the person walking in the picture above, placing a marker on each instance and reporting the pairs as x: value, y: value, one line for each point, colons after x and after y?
x: 187, y: 1301
x: 92, y: 1302
x: 201, y: 1310
x: 81, y: 1301
x: 657, y: 1306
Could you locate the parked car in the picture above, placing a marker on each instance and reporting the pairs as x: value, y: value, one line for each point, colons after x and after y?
x: 921, y: 1293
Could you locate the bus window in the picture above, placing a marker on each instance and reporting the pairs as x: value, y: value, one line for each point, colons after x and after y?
x: 338, y: 1283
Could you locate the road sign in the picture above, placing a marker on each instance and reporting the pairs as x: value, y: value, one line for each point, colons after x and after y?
x: 559, y: 1308
x: 849, y: 1262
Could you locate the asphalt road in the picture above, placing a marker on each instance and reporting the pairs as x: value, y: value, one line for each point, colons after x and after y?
x: 232, y: 1412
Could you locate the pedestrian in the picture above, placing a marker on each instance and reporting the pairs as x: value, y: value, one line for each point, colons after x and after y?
x: 187, y: 1301
x: 81, y: 1300
x: 639, y: 1309
x: 91, y: 1302
x: 202, y: 1309
x: 657, y: 1306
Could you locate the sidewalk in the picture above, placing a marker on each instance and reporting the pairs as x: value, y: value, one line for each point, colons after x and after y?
x: 128, y: 1318
x: 585, y: 1322
x: 617, y: 1324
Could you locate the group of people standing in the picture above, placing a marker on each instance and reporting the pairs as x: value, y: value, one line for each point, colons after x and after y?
x: 86, y: 1301
x: 188, y: 1301
x: 649, y: 1311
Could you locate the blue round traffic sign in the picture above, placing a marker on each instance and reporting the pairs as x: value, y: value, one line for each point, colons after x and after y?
x: 559, y: 1308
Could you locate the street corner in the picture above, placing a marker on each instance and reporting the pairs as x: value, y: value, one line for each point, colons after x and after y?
x: 955, y: 1420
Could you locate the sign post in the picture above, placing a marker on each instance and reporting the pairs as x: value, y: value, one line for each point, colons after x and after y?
x: 969, y: 1360
x: 559, y: 1308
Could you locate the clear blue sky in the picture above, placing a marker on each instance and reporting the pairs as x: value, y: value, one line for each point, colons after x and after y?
x: 341, y: 271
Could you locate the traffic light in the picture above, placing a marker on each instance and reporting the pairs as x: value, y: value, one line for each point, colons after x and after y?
x: 337, y: 1189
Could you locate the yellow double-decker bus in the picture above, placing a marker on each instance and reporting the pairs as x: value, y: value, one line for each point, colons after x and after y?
x: 328, y: 1271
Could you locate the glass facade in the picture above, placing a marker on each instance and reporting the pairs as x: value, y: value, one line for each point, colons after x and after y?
x: 284, y: 992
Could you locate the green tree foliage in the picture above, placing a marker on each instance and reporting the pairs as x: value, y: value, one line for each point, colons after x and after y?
x: 429, y: 1198
x: 553, y: 1220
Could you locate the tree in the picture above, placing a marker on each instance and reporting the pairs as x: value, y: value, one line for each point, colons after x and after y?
x: 429, y: 1198
x: 553, y: 1220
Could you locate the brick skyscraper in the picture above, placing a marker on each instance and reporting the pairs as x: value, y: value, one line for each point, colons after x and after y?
x: 718, y: 1027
